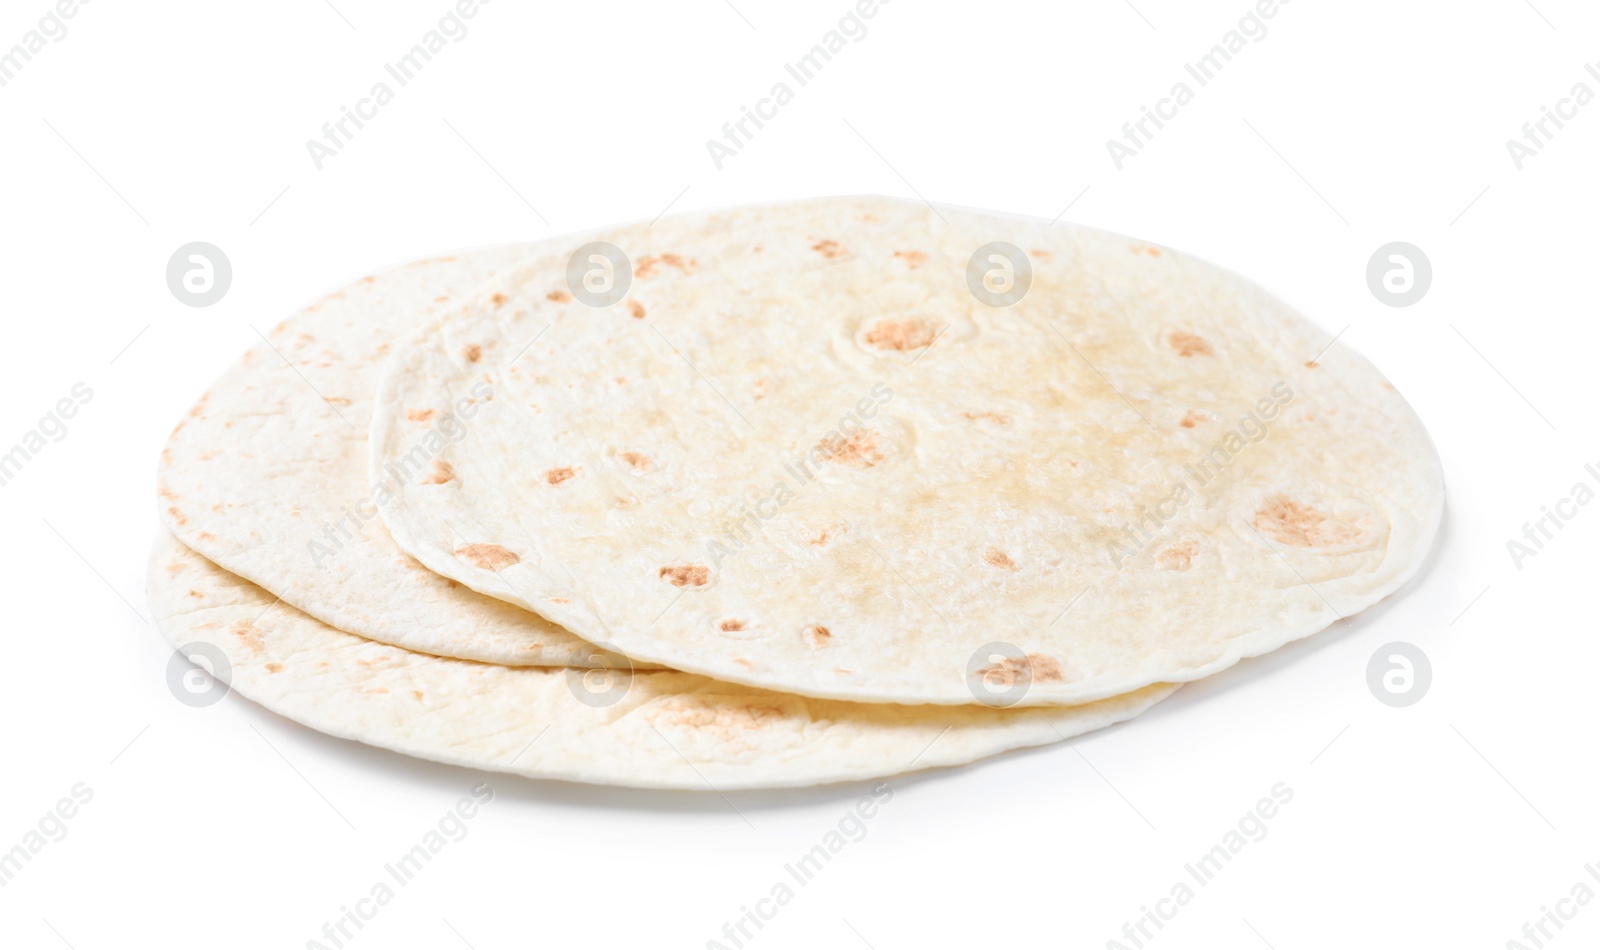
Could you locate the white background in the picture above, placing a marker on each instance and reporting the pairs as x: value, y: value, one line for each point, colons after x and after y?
x: 1449, y: 823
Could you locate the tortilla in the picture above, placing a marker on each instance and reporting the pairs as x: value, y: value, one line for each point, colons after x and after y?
x: 802, y: 454
x: 267, y: 476
x: 667, y: 730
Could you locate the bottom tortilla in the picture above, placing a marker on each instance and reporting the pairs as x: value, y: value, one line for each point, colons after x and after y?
x: 646, y: 729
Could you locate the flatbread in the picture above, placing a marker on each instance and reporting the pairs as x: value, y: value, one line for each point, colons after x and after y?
x: 802, y: 454
x: 267, y: 476
x: 669, y: 729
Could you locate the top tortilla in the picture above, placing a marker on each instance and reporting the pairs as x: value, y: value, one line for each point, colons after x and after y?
x: 801, y: 454
x: 267, y: 476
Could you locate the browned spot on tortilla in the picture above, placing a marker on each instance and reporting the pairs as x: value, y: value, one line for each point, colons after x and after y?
x: 1301, y: 526
x: 722, y: 718
x: 442, y: 472
x: 196, y: 594
x: 559, y: 296
x: 686, y: 575
x: 557, y: 600
x: 274, y: 667
x: 1145, y: 249
x: 417, y: 695
x: 913, y: 259
x: 1046, y: 669
x: 641, y: 463
x: 828, y: 532
x: 1190, y: 420
x: 830, y: 249
x: 902, y: 335
x: 1311, y: 364
x: 473, y: 352
x: 818, y: 635
x: 248, y: 636
x: 999, y: 558
x: 338, y: 400
x: 636, y: 309
x: 648, y: 266
x: 1010, y: 670
x: 1189, y: 344
x: 998, y: 418
x: 419, y: 415
x: 441, y: 299
x: 498, y: 300
x: 744, y: 662
x: 1178, y: 556
x: 178, y: 516
x: 730, y: 626
x: 558, y: 475
x: 206, y: 536
x: 487, y: 557
x: 860, y: 450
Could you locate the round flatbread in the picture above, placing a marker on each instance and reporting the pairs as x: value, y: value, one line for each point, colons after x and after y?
x: 864, y: 450
x: 655, y: 729
x: 267, y: 475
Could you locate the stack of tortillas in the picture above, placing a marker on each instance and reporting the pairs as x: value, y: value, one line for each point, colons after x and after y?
x: 778, y: 496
